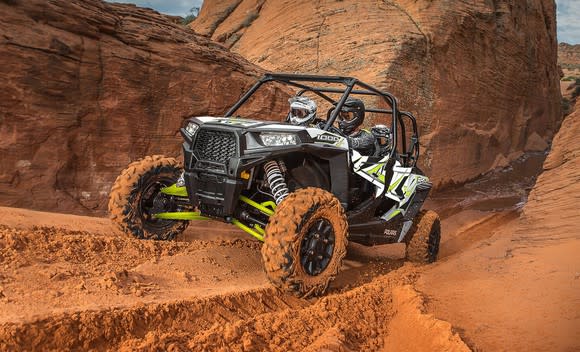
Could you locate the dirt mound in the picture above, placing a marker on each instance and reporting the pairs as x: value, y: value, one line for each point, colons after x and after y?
x: 55, y: 270
x: 70, y: 289
x: 360, y: 327
x: 152, y: 324
x: 413, y: 330
x: 247, y: 320
x: 89, y: 86
x: 481, y: 76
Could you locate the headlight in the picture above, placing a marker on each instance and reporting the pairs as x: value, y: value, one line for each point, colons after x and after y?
x: 191, y: 128
x: 277, y: 139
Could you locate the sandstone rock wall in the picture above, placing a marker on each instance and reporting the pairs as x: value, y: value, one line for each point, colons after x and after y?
x: 482, y: 77
x: 89, y: 86
x: 520, y: 279
x: 551, y: 212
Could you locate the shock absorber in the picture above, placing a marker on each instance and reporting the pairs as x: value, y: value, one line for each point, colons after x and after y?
x: 276, y: 180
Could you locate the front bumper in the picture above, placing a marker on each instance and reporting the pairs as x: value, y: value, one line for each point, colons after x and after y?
x: 214, y: 195
x: 211, y: 162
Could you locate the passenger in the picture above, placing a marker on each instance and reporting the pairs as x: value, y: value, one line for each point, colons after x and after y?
x: 350, y: 118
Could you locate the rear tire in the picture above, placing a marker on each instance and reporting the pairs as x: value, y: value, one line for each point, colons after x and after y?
x: 305, y: 242
x: 137, y: 191
x: 425, y: 235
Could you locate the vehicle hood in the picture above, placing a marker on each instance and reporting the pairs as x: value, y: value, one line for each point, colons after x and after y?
x: 248, y: 124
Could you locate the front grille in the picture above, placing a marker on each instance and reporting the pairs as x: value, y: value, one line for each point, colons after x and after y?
x: 216, y: 146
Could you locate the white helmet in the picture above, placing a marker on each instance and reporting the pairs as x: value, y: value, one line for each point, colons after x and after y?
x: 302, y: 110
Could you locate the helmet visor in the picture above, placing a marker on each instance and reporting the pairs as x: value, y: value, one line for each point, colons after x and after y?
x: 345, y: 116
x: 298, y: 113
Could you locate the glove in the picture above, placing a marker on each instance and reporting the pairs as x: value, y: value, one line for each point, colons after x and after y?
x: 362, y: 141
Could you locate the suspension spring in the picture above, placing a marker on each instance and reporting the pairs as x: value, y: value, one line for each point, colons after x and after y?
x: 276, y: 181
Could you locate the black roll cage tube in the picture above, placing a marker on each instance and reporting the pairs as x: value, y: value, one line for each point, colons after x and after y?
x: 409, y: 158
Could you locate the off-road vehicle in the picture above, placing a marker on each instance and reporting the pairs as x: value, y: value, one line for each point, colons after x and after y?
x: 302, y: 190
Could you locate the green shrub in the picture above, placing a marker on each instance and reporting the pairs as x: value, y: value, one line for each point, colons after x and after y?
x: 566, y: 106
x: 576, y: 91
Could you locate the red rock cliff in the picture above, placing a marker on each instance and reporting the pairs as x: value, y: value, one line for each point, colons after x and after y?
x: 88, y: 86
x: 482, y: 76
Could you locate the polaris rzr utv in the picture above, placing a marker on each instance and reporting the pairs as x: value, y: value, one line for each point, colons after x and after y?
x: 301, y: 190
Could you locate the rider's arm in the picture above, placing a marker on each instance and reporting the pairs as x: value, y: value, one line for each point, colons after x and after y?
x: 361, y: 140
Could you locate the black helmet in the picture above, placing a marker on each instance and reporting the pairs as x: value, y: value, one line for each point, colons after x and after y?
x: 351, y: 115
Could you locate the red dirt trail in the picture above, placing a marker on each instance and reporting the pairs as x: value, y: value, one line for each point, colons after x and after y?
x: 506, y: 280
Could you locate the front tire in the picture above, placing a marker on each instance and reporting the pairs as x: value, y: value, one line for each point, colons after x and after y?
x: 423, y: 245
x: 136, y: 195
x: 305, y: 242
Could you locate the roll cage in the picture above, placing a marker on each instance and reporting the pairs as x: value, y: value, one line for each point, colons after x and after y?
x: 407, y: 155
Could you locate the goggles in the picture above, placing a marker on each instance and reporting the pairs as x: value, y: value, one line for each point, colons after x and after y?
x: 299, y: 113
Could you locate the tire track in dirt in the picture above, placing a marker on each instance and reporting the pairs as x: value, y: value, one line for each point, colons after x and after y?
x: 253, y: 320
x: 369, y: 317
x: 356, y: 320
x: 103, y: 329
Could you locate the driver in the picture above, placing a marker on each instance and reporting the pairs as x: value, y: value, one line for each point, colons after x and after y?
x: 350, y: 117
x: 302, y: 111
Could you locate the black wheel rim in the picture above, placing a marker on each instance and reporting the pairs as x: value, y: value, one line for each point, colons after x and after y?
x: 317, y: 247
x: 433, y: 248
x: 152, y: 201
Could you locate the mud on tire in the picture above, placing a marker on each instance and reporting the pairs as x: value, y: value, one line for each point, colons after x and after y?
x: 305, y: 242
x: 135, y: 191
x: 425, y: 235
